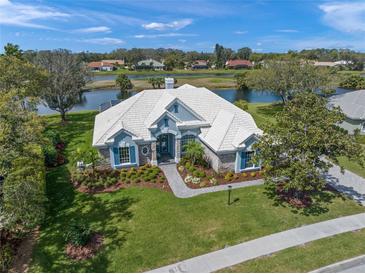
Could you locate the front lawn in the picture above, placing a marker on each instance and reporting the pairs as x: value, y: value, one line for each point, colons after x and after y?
x: 149, y: 228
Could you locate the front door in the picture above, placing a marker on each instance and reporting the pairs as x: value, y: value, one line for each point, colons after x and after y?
x: 163, y: 143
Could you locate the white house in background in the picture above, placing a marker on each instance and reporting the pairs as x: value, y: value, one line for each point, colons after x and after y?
x: 353, y: 106
x: 150, y: 64
x: 153, y: 126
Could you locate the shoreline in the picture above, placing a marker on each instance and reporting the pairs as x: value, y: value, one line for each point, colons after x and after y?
x: 141, y: 84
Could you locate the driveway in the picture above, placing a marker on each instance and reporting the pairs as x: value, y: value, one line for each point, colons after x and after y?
x: 348, y: 183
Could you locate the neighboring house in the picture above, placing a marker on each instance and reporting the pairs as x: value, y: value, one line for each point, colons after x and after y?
x: 154, y: 126
x: 200, y: 64
x: 353, y: 106
x: 150, y: 64
x: 101, y: 66
x: 238, y: 64
x: 324, y: 64
x: 115, y: 62
x: 343, y: 63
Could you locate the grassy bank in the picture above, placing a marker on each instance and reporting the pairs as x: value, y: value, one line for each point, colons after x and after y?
x: 149, y: 228
x: 141, y: 84
x: 177, y: 71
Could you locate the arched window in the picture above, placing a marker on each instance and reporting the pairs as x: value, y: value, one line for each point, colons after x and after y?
x: 185, y: 140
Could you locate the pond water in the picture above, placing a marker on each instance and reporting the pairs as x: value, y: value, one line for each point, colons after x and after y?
x: 145, y: 76
x: 91, y: 100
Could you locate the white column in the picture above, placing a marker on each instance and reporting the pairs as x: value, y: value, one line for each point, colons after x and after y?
x: 177, y: 149
x: 154, y: 153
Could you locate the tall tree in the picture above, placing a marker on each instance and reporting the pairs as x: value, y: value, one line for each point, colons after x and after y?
x: 295, y: 149
x: 13, y: 50
x: 244, y: 53
x: 124, y: 82
x: 286, y: 78
x: 219, y: 56
x: 67, y: 75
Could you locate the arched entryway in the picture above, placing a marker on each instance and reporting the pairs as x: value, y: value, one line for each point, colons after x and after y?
x: 165, y: 148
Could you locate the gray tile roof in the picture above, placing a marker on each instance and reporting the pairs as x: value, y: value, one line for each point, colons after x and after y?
x: 352, y: 104
x: 224, y: 126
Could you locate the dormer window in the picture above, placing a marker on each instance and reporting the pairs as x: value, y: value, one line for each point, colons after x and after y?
x: 166, y: 121
x: 176, y: 108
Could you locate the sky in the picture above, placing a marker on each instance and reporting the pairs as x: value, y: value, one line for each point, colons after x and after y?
x: 104, y: 25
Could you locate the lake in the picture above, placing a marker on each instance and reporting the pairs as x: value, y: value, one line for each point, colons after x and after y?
x: 91, y: 100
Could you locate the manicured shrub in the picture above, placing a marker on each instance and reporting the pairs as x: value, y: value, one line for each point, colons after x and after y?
x: 253, y: 174
x: 203, y: 184
x: 78, y: 233
x: 195, y: 180
x: 187, y: 165
x: 213, y: 181
x: 229, y: 176
x: 181, y: 168
x: 188, y: 179
x: 244, y: 174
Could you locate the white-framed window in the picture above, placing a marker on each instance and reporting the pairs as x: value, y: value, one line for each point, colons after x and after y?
x: 185, y: 140
x: 124, y: 156
x: 248, y: 155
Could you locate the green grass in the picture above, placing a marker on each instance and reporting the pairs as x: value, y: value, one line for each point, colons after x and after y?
x: 264, y: 112
x: 308, y: 257
x: 148, y: 228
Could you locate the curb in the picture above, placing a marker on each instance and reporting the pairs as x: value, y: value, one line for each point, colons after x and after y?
x: 341, y: 266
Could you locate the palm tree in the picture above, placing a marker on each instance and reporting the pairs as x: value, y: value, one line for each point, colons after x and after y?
x: 194, y: 152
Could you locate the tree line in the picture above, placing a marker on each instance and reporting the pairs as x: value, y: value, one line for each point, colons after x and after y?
x: 175, y: 58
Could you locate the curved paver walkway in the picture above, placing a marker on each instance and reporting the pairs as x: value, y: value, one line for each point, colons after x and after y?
x: 180, y: 189
x: 229, y: 256
x: 348, y: 183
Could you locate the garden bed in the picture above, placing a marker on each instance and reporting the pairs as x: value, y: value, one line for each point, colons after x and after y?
x: 198, y: 176
x: 103, y: 180
x: 87, y: 251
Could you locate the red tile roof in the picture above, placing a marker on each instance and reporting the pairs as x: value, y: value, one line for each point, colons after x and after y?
x: 99, y: 64
x: 238, y: 62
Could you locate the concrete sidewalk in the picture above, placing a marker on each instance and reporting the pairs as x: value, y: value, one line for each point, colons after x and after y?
x: 233, y: 255
x: 353, y: 265
x: 180, y: 189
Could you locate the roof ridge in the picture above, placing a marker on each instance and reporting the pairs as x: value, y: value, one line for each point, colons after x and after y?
x: 109, y: 129
x: 224, y: 136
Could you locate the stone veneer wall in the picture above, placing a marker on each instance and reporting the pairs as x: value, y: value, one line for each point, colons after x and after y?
x: 221, y: 162
x: 144, y: 159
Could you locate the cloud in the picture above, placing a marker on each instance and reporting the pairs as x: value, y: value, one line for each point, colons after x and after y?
x: 104, y: 41
x: 346, y: 17
x: 174, y: 25
x: 26, y: 15
x: 240, y: 32
x: 93, y: 30
x: 287, y: 30
x: 171, y: 34
x: 182, y: 40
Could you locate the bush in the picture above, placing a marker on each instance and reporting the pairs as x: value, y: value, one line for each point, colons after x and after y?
x: 78, y: 233
x: 53, y: 136
x: 229, y: 176
x: 244, y: 174
x: 195, y: 180
x: 242, y: 104
x: 181, y: 168
x: 253, y: 174
x: 187, y: 165
x: 203, y: 184
x: 6, y: 257
x: 213, y: 181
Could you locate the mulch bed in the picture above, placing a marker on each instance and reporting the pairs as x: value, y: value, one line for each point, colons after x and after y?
x: 120, y: 185
x: 85, y: 252
x: 238, y: 177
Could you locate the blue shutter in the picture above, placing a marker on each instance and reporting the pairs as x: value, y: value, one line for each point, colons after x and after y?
x: 243, y: 160
x: 116, y: 156
x: 132, y: 154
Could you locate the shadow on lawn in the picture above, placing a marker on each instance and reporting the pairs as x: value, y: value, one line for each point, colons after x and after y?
x: 106, y: 214
x: 319, y: 205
